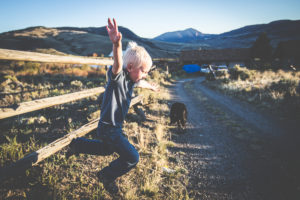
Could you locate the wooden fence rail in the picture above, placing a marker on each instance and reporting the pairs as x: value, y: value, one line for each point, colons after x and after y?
x: 34, y: 158
x: 30, y: 90
x: 7, y: 54
x: 48, y: 102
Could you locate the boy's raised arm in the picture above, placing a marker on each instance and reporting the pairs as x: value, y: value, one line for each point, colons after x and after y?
x: 116, y: 38
x: 145, y: 84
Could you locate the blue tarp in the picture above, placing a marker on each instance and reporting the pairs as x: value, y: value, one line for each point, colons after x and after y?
x: 191, y: 68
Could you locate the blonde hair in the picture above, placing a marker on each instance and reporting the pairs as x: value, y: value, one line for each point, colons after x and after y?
x: 136, y: 55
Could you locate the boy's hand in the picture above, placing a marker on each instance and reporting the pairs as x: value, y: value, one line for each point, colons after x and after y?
x: 116, y: 37
x: 147, y: 85
x: 154, y: 87
x: 112, y: 30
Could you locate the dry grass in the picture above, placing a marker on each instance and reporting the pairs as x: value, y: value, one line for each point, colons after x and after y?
x: 234, y: 127
x: 58, y: 178
x: 21, y: 68
x: 7, y: 54
x: 275, y: 91
x: 25, y: 81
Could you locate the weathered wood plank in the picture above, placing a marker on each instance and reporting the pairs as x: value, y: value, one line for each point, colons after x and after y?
x: 64, y: 141
x: 60, y: 143
x: 48, y: 102
x: 8, y: 54
x: 34, y: 158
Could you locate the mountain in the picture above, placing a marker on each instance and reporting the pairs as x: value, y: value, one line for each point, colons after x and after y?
x: 185, y: 36
x: 79, y: 41
x: 277, y: 31
x: 86, y: 41
x: 102, y: 31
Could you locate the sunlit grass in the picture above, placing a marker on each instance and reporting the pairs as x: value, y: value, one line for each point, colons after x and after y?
x: 276, y: 91
x: 58, y: 178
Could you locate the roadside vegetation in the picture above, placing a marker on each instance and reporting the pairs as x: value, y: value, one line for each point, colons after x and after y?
x: 159, y: 174
x: 26, y: 81
x: 277, y: 92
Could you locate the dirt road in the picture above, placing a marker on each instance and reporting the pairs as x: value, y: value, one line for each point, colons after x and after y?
x: 231, y: 150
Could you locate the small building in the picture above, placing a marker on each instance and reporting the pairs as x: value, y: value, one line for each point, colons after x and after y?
x: 229, y: 57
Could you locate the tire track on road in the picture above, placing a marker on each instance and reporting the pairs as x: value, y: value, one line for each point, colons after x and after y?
x: 214, y: 159
x: 229, y: 155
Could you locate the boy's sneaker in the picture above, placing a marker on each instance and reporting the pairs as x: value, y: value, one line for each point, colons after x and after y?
x: 71, y: 150
x: 109, y: 184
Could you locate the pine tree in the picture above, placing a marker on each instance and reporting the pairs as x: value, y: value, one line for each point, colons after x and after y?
x: 279, y: 51
x: 262, y: 48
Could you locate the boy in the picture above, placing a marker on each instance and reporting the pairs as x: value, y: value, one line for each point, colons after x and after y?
x: 115, y: 105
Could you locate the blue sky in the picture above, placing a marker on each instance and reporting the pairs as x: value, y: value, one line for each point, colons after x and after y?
x: 146, y: 18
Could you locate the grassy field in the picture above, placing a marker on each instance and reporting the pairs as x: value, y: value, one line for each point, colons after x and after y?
x: 159, y: 174
x: 52, y: 56
x: 276, y: 92
x: 81, y: 42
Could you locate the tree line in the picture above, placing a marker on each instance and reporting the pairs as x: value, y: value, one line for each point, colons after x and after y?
x: 286, y: 52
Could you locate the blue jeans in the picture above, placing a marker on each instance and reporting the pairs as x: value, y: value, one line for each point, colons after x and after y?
x: 111, y: 140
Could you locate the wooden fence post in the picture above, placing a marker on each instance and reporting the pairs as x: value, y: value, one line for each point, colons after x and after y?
x: 48, y: 102
x: 34, y: 158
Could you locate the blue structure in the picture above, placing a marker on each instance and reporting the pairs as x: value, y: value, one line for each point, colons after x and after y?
x: 192, y: 68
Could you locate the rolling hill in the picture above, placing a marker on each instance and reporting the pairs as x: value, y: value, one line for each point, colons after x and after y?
x: 186, y: 36
x: 277, y: 31
x: 79, y: 41
x: 85, y: 41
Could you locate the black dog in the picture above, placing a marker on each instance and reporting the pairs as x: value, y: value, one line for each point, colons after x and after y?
x: 178, y: 114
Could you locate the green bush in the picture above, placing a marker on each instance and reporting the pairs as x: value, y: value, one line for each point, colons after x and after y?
x: 209, y: 77
x: 85, y: 67
x: 12, y: 78
x: 286, y: 86
x: 11, y: 151
x: 156, y: 75
x: 76, y: 84
x: 31, y: 68
x: 221, y: 73
x: 238, y: 72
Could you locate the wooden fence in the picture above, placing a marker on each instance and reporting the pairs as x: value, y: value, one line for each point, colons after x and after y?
x: 34, y: 158
x: 7, y: 54
x: 48, y: 102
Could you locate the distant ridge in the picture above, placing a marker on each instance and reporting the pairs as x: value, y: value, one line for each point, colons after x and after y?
x: 185, y: 36
x: 88, y: 40
x: 79, y: 41
x: 102, y: 31
x: 276, y: 31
